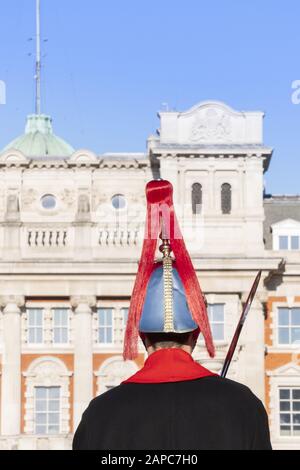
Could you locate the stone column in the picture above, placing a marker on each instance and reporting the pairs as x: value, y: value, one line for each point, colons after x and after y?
x: 11, y: 366
x: 83, y: 354
x: 252, y: 358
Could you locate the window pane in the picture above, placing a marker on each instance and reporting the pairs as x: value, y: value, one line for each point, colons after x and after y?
x: 38, y: 335
x: 39, y: 317
x: 101, y: 335
x: 125, y: 315
x: 218, y: 331
x: 41, y: 418
x: 285, y: 418
x: 109, y: 335
x: 296, y: 406
x: 40, y: 429
x: 296, y: 430
x: 226, y: 198
x: 296, y: 418
x: 296, y: 316
x: 41, y: 405
x: 285, y: 430
x: 31, y: 335
x: 283, y: 316
x: 101, y: 313
x: 283, y: 336
x: 283, y: 242
x: 53, y: 429
x: 53, y: 418
x: 196, y: 198
x: 61, y: 316
x: 218, y: 312
x: 54, y: 405
x: 295, y: 336
x: 109, y: 317
x: 40, y: 392
x: 54, y: 392
x: 285, y: 406
x: 296, y: 394
x: 105, y: 325
x: 64, y: 335
x: 295, y: 243
x: 284, y: 393
x: 56, y: 335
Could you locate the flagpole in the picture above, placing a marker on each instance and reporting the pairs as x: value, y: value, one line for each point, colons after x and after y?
x: 38, y: 59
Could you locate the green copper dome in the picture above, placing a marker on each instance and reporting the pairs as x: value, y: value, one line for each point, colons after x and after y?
x: 39, y: 140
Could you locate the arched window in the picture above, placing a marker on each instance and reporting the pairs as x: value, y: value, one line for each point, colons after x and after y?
x: 47, y: 406
x: 226, y: 198
x: 112, y: 372
x: 196, y: 198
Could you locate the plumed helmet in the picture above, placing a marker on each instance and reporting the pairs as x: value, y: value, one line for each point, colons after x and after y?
x: 166, y: 297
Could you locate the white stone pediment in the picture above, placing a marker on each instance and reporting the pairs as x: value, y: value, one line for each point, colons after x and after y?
x: 288, y: 370
x: 286, y: 224
x: 211, y: 123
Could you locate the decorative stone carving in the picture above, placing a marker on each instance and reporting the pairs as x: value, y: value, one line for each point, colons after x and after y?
x: 113, y: 371
x: 83, y: 213
x: 99, y: 198
x: 212, y: 125
x: 12, y: 208
x: 29, y: 196
x: 68, y: 197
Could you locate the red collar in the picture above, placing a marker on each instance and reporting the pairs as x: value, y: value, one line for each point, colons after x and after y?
x: 169, y: 365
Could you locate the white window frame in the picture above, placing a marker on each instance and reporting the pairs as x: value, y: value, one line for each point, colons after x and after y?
x: 48, y: 322
x: 55, y: 344
x: 289, y: 327
x: 290, y: 412
x: 106, y: 343
x: 46, y: 371
x: 118, y: 325
x: 48, y: 412
x: 290, y: 302
x: 124, y: 322
x: 286, y: 228
x: 287, y: 376
x: 29, y: 327
x: 212, y: 322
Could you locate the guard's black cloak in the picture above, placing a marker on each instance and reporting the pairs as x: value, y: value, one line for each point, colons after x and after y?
x: 175, y: 413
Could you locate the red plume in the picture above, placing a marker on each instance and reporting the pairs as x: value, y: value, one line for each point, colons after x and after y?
x: 160, y: 211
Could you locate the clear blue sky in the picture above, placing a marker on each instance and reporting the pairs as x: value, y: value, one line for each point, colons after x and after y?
x: 110, y: 65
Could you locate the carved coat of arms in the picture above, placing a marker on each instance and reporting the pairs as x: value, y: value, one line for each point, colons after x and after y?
x: 212, y: 126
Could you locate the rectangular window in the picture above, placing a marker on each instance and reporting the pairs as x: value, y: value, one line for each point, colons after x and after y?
x: 60, y: 325
x: 124, y: 312
x: 35, y: 325
x: 288, y: 325
x: 105, y: 325
x: 216, y: 318
x: 289, y: 242
x: 47, y: 410
x: 283, y: 242
x: 289, y: 410
x: 295, y: 245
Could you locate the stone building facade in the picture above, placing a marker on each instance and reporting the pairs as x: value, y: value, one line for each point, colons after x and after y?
x: 71, y: 227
